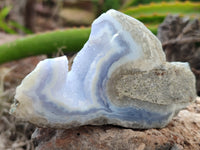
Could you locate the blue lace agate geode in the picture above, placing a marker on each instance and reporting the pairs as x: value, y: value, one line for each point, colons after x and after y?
x: 120, y: 77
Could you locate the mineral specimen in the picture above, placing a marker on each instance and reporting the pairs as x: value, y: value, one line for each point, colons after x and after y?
x: 120, y: 77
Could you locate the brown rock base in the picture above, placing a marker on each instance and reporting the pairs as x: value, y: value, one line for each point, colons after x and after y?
x: 181, y: 134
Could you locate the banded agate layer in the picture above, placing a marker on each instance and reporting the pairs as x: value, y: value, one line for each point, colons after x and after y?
x: 119, y: 77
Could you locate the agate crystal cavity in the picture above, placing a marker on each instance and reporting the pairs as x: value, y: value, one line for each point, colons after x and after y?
x: 120, y: 77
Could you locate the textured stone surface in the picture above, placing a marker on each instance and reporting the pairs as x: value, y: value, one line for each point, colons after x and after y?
x: 161, y: 85
x: 180, y: 38
x: 181, y: 134
x: 120, y: 77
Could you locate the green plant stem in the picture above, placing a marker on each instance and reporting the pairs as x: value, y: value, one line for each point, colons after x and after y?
x: 70, y: 40
x: 186, y: 8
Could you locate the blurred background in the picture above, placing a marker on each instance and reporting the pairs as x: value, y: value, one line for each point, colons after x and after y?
x: 32, y: 16
x: 174, y: 22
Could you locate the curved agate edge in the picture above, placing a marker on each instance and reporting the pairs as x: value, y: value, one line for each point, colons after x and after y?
x: 50, y: 96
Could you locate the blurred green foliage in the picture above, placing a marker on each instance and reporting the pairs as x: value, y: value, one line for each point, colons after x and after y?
x: 69, y: 41
x: 150, y: 14
x: 190, y: 0
x: 154, y: 18
x: 10, y: 26
x: 186, y: 8
x: 153, y: 14
x: 3, y: 24
x: 108, y: 4
x: 130, y: 3
x: 103, y: 6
